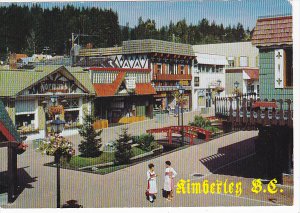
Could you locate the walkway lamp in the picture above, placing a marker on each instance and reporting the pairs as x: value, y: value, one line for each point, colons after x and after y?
x: 236, y: 84
x: 57, y: 126
x: 181, y: 92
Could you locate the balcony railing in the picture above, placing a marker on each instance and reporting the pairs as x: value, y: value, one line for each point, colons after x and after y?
x: 249, y: 110
x: 170, y: 88
x: 172, y: 77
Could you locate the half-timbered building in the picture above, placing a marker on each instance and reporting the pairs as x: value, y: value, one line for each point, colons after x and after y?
x: 169, y: 63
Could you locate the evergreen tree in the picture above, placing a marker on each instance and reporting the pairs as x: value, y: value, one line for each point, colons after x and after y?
x: 123, y: 148
x: 91, y: 143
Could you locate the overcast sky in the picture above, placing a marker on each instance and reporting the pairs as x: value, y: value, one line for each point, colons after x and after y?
x: 222, y: 11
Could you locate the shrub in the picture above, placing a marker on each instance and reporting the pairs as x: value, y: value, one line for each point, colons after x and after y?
x: 146, y: 141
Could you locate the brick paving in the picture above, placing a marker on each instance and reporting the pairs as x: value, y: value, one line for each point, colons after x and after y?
x: 126, y: 187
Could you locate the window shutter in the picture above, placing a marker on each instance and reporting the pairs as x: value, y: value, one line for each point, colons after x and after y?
x: 279, y: 68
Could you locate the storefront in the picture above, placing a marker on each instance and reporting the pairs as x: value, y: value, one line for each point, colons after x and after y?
x: 122, y: 95
x: 208, y: 80
x: 29, y: 102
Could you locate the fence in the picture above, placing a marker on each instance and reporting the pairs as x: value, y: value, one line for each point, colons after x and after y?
x: 250, y: 110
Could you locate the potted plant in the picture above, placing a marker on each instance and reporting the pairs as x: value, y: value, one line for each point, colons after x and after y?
x: 57, y: 146
x: 219, y: 89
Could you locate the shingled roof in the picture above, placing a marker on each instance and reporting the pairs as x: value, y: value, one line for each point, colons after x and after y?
x: 142, y: 46
x: 273, y: 31
x: 7, y: 128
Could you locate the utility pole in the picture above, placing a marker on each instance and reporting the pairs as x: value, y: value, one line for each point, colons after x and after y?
x: 75, y: 36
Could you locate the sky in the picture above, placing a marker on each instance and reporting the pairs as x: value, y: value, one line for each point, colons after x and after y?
x: 221, y: 11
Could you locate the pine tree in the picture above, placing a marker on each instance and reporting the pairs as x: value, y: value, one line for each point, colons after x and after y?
x: 123, y: 148
x: 91, y: 143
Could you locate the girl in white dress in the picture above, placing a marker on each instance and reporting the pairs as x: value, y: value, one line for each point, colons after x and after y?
x: 151, y: 181
x: 170, y: 174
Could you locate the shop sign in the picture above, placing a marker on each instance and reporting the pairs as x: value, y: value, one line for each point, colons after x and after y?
x: 184, y: 83
x: 130, y: 82
x: 201, y: 93
x: 213, y: 84
x: 56, y: 83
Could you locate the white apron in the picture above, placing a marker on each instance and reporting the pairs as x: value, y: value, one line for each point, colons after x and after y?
x: 170, y: 174
x: 151, y: 179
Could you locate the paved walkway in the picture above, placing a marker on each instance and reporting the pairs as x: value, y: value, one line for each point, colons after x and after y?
x: 126, y: 187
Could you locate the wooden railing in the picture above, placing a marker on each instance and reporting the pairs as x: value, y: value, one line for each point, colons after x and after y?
x: 240, y: 111
x: 172, y: 77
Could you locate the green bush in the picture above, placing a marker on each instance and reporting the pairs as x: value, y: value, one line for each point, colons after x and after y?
x: 204, y: 123
x: 145, y: 141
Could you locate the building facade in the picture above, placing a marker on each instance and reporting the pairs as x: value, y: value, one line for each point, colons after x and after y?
x: 123, y: 95
x: 246, y: 80
x: 208, y: 79
x: 25, y: 92
x: 170, y: 64
x: 273, y: 37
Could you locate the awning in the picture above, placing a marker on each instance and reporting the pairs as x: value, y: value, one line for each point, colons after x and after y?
x: 211, y: 59
x: 266, y: 104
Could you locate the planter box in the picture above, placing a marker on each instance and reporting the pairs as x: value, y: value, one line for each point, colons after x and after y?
x: 100, y: 124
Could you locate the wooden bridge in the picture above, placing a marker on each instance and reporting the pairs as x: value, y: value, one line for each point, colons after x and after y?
x: 190, y: 132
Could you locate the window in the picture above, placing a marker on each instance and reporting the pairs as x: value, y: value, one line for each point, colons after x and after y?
x: 171, y: 69
x: 181, y: 69
x: 72, y: 113
x: 288, y: 68
x: 243, y: 61
x: 196, y: 81
x: 25, y: 121
x: 159, y: 68
x: 230, y: 61
x: 25, y: 115
x: 250, y: 89
x: 257, y: 88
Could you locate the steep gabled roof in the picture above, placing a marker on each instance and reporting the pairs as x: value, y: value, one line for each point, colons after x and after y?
x: 273, y: 31
x: 7, y: 128
x: 13, y: 82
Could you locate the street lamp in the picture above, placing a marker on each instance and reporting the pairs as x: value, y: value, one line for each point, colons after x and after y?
x: 57, y: 126
x: 181, y: 92
x: 236, y: 84
x: 45, y: 103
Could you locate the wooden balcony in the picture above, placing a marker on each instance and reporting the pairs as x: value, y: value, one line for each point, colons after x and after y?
x: 172, y: 77
x: 242, y: 111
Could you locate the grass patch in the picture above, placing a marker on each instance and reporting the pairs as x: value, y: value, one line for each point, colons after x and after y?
x: 105, y: 157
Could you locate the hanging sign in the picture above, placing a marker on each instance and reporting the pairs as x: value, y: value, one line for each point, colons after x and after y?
x: 130, y: 82
x: 279, y: 68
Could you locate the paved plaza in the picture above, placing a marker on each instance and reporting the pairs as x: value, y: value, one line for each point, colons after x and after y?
x: 229, y: 157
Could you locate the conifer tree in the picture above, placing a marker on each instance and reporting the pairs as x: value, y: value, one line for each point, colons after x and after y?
x: 123, y: 148
x: 91, y: 143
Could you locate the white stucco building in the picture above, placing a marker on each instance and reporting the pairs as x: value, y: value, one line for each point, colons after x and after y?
x: 208, y: 79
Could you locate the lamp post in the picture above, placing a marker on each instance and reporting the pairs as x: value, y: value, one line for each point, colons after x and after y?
x: 45, y: 103
x: 57, y: 126
x: 236, y: 84
x: 181, y: 92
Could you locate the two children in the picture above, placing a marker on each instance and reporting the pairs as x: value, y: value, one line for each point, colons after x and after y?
x: 170, y: 174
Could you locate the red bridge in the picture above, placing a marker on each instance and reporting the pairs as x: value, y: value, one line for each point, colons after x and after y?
x: 188, y: 131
